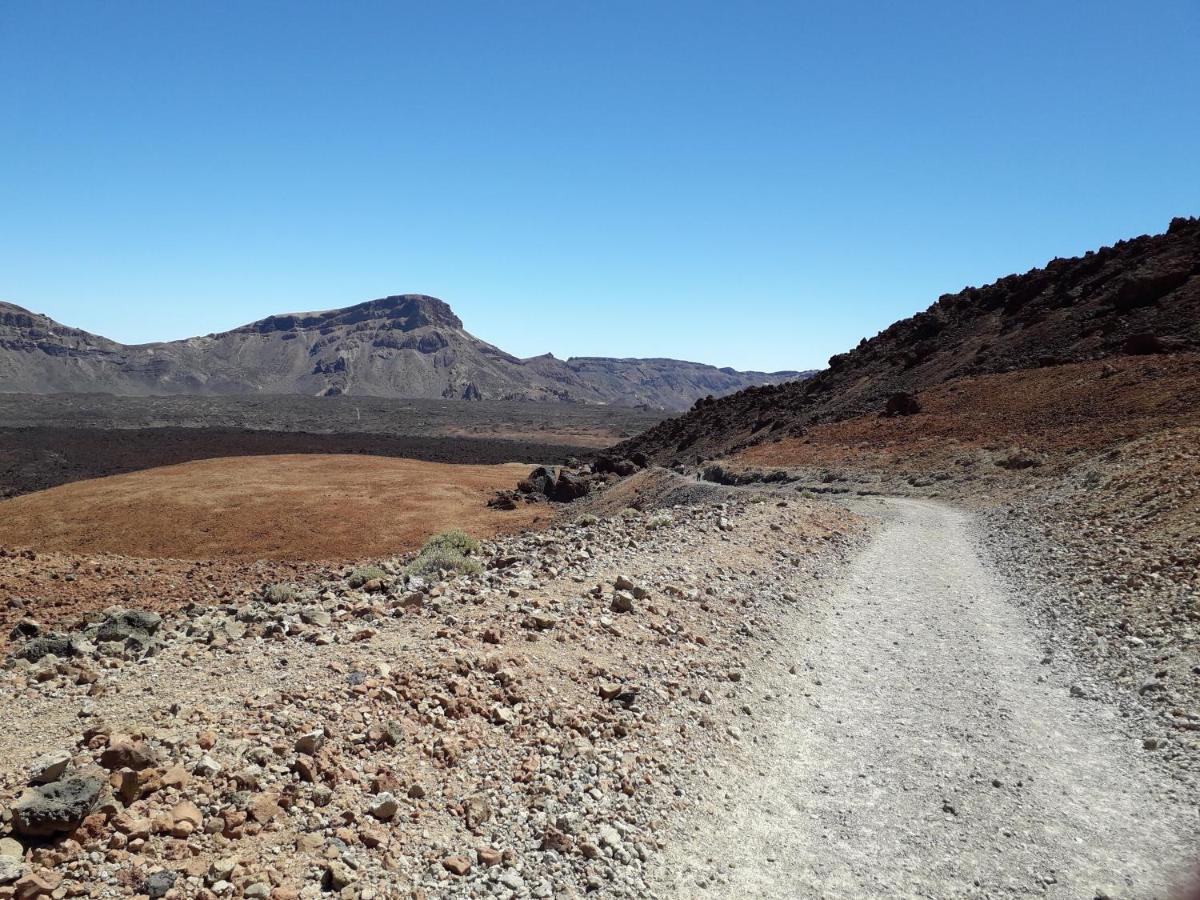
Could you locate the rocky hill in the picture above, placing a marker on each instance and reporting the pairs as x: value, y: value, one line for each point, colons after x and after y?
x: 403, y: 346
x: 1139, y: 296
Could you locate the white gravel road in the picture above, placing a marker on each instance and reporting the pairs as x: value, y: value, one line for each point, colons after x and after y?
x: 923, y: 749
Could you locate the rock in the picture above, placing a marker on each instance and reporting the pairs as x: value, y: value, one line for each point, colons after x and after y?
x: 569, y: 487
x: 456, y: 865
x: 50, y: 644
x: 488, y: 856
x: 311, y: 742
x: 132, y: 631
x: 24, y: 630
x: 476, y: 810
x: 540, y: 481
x: 11, y: 848
x: 35, y: 887
x: 262, y: 808
x: 11, y: 869
x: 126, y: 754
x: 49, y: 767
x: 338, y: 875
x: 58, y: 807
x: 622, y: 602
x: 157, y: 884
x: 902, y: 403
x: 1144, y: 345
x: 384, y: 807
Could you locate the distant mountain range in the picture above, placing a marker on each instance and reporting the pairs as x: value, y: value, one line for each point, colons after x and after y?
x: 403, y: 346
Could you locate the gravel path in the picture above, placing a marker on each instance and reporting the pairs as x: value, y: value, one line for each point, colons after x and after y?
x: 923, y: 749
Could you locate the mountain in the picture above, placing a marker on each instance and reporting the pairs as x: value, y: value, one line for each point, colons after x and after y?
x: 403, y: 346
x: 1139, y: 296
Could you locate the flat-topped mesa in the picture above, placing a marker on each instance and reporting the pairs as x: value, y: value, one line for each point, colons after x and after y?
x: 404, y: 345
x: 403, y: 312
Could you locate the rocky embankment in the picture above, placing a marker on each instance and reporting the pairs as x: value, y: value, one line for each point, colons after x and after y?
x: 527, y: 730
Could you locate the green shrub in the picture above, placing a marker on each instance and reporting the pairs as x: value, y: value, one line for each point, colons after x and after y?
x: 452, y: 540
x: 587, y: 520
x: 436, y: 560
x: 449, y: 551
x: 280, y: 593
x: 630, y: 513
x: 660, y: 520
x: 363, y: 574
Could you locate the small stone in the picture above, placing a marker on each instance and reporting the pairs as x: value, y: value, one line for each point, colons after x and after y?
x: 384, y: 807
x: 310, y: 742
x: 622, y: 602
x: 456, y: 865
x: 126, y: 754
x: 49, y: 767
x: 157, y: 884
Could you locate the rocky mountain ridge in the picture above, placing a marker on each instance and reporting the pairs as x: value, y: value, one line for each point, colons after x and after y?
x: 411, y: 346
x: 1139, y: 296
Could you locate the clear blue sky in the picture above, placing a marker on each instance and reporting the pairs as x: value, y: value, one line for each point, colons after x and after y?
x: 747, y: 184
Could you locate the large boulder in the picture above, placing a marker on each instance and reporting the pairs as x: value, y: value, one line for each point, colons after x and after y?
x: 569, y: 486
x: 52, y: 643
x: 902, y: 403
x: 56, y: 808
x: 540, y: 481
x: 128, y: 632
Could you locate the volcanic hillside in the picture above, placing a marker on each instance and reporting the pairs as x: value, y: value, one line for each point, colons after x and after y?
x: 410, y: 346
x: 1140, y: 296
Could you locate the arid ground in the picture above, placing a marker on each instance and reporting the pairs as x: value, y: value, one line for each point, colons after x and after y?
x: 295, y: 507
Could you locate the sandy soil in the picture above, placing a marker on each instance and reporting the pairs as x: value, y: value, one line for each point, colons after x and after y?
x: 296, y: 507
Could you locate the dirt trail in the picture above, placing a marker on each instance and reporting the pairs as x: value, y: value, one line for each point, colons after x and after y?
x: 924, y: 750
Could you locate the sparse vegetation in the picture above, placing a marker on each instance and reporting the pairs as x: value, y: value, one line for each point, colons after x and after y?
x: 455, y: 539
x: 363, y: 574
x: 280, y: 593
x: 660, y: 519
x: 587, y: 520
x: 449, y: 551
x: 630, y: 513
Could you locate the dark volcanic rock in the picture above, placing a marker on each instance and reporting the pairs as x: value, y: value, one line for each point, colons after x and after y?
x: 1137, y: 296
x: 55, y: 808
x: 902, y: 403
x: 569, y: 486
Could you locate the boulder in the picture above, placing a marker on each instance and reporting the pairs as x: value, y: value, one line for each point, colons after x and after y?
x: 1144, y: 345
x: 902, y: 403
x: 50, y: 644
x: 540, y: 481
x: 569, y: 486
x: 56, y: 808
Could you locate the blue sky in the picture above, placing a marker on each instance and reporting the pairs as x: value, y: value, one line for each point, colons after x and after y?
x: 750, y: 184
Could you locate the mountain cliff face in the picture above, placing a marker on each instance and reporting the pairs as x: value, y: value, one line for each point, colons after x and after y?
x: 403, y: 346
x: 1140, y: 296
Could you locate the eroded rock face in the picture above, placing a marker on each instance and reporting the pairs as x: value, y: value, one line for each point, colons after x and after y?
x: 408, y: 345
x: 57, y: 807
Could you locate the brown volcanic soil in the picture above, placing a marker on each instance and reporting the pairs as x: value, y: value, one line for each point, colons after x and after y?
x: 297, y: 507
x: 34, y: 459
x: 1062, y: 409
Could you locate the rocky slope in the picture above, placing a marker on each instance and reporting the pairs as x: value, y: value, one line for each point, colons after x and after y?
x: 1140, y: 296
x: 402, y: 346
x: 527, y: 730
